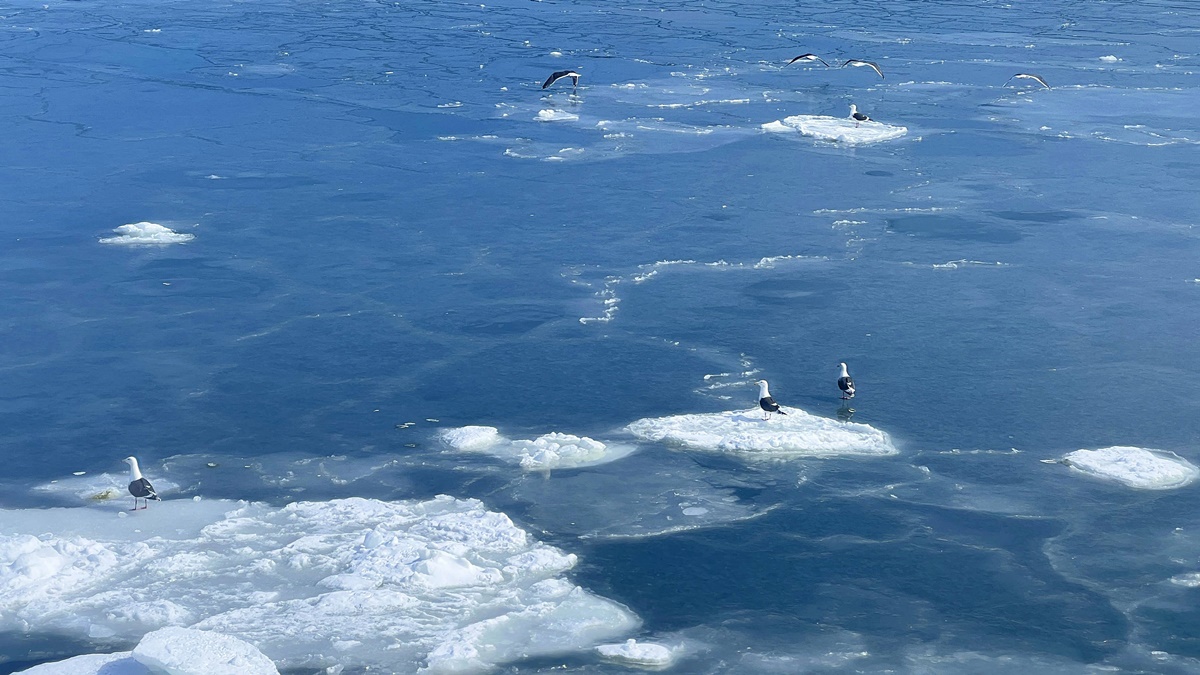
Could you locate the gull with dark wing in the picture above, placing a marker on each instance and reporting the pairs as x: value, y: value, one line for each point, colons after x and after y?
x: 765, y: 401
x: 858, y: 63
x: 808, y: 57
x: 857, y: 116
x: 139, y: 487
x: 555, y: 77
x: 1027, y: 76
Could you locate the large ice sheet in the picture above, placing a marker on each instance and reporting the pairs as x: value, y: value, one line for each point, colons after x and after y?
x: 745, y: 433
x: 554, y: 450
x: 442, y: 584
x: 1139, y: 468
x: 837, y: 129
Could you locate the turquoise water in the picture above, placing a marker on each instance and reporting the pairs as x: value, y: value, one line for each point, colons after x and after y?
x: 385, y: 231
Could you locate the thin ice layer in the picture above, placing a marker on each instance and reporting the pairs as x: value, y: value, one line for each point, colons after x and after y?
x: 443, y: 583
x: 837, y: 129
x: 745, y: 433
x: 1139, y: 468
x: 550, y: 451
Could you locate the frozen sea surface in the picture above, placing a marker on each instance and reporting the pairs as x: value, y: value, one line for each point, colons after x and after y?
x: 279, y: 250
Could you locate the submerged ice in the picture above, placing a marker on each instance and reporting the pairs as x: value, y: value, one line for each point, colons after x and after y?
x: 444, y: 585
x: 746, y: 433
x: 1140, y: 468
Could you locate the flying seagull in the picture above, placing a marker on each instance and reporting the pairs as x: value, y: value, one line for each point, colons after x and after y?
x: 139, y: 487
x: 808, y: 57
x: 845, y: 383
x: 1027, y: 76
x: 857, y: 116
x: 859, y: 64
x: 765, y: 401
x: 555, y: 77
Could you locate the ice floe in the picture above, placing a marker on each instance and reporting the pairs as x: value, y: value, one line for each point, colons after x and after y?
x: 1139, y: 468
x: 442, y: 585
x: 100, y: 487
x: 170, y: 651
x: 745, y: 433
x: 634, y: 653
x: 146, y: 234
x: 551, y: 115
x: 550, y: 451
x: 837, y: 129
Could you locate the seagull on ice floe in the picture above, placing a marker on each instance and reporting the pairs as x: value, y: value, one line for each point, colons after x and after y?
x: 555, y: 77
x: 857, y: 116
x: 808, y: 57
x: 845, y: 383
x: 858, y: 63
x: 139, y: 487
x: 1027, y: 76
x: 765, y: 401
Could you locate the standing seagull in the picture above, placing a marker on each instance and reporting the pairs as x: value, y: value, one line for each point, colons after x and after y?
x: 857, y: 116
x: 139, y: 487
x: 765, y: 401
x: 859, y: 64
x: 845, y: 383
x: 808, y: 57
x: 1027, y: 76
x: 555, y: 77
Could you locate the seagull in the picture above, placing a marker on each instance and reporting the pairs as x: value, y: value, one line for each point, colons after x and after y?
x: 1027, y: 76
x: 846, y: 384
x: 858, y: 64
x: 765, y: 401
x: 808, y: 57
x: 139, y: 487
x: 555, y: 77
x: 857, y: 116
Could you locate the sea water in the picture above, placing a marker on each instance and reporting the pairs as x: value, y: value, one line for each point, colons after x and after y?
x: 436, y: 369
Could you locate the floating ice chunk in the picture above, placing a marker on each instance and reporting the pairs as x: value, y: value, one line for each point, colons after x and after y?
x: 147, y: 234
x: 551, y: 451
x: 442, y: 583
x: 837, y: 129
x: 744, y: 432
x: 117, y: 663
x: 471, y: 438
x: 1109, y: 59
x: 1139, y: 468
x: 1187, y: 580
x: 550, y: 115
x: 185, y: 651
x: 633, y: 653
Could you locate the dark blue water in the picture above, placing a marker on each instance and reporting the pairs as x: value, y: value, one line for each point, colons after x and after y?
x: 384, y: 233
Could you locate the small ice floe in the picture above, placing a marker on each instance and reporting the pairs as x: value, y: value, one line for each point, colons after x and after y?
x: 99, y: 487
x: 634, y: 653
x: 837, y: 129
x: 146, y: 234
x: 1187, y: 580
x: 745, y: 433
x: 1109, y: 59
x: 551, y: 115
x: 550, y: 451
x: 1140, y: 468
x: 174, y: 650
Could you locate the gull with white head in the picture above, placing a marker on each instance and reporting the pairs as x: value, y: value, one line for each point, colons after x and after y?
x: 765, y: 401
x: 845, y: 383
x: 139, y: 487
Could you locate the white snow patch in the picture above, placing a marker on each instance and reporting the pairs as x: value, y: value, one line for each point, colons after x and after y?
x: 550, y: 115
x: 442, y: 585
x: 634, y: 653
x: 146, y: 234
x: 745, y: 433
x: 1140, y: 468
x: 186, y: 651
x: 550, y: 451
x: 837, y: 129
